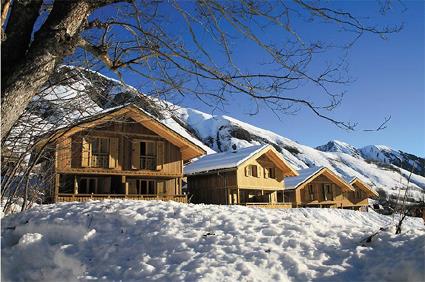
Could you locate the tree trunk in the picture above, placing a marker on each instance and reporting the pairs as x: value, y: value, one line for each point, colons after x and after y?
x: 57, y: 38
x: 51, y: 44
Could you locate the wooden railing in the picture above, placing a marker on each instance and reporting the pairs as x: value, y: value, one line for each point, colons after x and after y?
x: 269, y: 205
x: 99, y: 161
x: 92, y: 197
x: 148, y: 162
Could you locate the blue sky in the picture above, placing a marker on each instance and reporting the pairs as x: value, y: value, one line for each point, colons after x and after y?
x: 388, y: 80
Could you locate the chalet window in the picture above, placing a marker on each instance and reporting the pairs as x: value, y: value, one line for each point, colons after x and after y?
x: 146, y: 187
x: 147, y: 155
x: 310, y: 192
x: 87, y: 185
x: 270, y: 172
x: 251, y: 170
x: 99, y: 152
x: 327, y: 192
x: 358, y: 194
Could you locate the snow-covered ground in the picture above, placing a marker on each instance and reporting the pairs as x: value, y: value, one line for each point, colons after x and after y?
x: 167, y: 241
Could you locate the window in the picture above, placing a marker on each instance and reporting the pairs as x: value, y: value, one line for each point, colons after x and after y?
x: 310, y: 192
x: 99, y: 152
x: 251, y: 170
x: 147, y: 155
x: 146, y: 187
x: 358, y: 194
x: 87, y: 185
x: 327, y: 192
x: 269, y: 172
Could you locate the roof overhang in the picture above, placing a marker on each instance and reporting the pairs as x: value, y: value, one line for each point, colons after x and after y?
x: 188, y: 149
x: 356, y: 182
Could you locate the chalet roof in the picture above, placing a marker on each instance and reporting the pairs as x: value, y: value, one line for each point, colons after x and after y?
x: 189, y: 148
x: 364, y: 186
x: 233, y: 159
x: 305, y: 176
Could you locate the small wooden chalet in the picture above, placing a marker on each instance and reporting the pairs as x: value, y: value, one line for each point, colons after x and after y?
x: 317, y: 187
x: 359, y: 199
x: 121, y: 153
x: 248, y: 176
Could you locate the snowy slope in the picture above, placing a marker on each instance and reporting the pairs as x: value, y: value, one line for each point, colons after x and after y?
x: 168, y: 241
x: 223, y: 133
x: 387, y: 155
x: 339, y: 147
x: 87, y: 92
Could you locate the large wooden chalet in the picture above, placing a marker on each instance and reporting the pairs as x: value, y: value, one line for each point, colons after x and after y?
x: 121, y: 153
x: 249, y: 176
x: 320, y: 187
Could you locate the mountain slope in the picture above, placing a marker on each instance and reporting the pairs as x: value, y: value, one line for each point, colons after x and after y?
x: 87, y: 92
x: 339, y: 147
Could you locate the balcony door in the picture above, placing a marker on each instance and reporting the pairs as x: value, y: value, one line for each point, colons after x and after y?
x: 87, y: 185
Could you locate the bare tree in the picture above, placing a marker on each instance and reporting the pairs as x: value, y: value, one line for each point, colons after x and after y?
x: 188, y: 48
x: 175, y: 49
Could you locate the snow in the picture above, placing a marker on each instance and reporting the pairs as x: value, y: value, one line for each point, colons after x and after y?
x: 230, y: 159
x: 293, y: 182
x: 168, y: 241
x: 339, y: 146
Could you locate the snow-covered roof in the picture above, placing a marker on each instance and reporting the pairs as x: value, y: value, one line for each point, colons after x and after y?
x: 303, y: 175
x: 363, y: 185
x: 229, y: 159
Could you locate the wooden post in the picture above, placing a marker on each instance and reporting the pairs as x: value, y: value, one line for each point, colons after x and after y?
x: 75, y: 185
x: 56, y: 192
x: 238, y: 197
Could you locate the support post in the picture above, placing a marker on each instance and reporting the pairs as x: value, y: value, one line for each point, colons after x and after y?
x: 75, y: 185
x: 56, y: 192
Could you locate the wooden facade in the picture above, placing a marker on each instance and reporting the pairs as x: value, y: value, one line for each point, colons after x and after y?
x: 123, y: 154
x: 254, y: 182
x: 323, y: 188
x: 359, y: 199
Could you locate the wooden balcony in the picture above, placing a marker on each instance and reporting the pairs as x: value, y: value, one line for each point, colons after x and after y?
x: 269, y: 205
x: 96, y: 197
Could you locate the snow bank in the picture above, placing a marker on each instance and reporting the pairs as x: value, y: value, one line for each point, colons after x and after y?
x: 167, y: 241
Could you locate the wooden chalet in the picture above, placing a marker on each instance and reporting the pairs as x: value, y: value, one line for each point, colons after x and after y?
x: 121, y: 153
x: 359, y: 199
x: 317, y: 187
x: 249, y: 176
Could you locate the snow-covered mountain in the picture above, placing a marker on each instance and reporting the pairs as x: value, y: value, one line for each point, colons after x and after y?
x: 86, y: 92
x: 380, y: 154
x: 339, y: 147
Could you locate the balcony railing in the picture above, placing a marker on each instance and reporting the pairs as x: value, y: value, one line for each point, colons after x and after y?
x: 92, y: 197
x: 148, y: 162
x: 269, y: 205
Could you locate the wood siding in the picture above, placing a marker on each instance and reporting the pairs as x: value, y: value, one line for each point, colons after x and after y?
x: 117, y: 177
x: 211, y: 188
x: 339, y: 199
x: 259, y: 182
x: 236, y: 186
x: 73, y: 152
